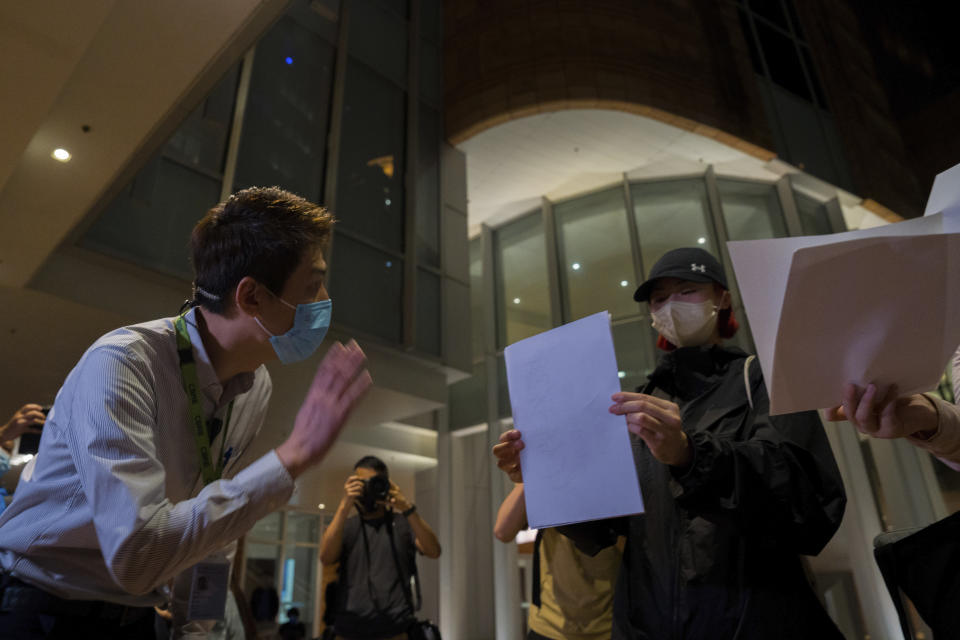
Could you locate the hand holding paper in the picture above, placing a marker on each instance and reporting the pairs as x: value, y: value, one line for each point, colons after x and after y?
x: 878, y: 306
x: 576, y: 456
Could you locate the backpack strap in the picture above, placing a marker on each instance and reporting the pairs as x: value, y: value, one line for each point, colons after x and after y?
x: 746, y: 379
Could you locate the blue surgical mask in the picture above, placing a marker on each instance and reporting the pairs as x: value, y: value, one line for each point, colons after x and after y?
x: 310, y: 324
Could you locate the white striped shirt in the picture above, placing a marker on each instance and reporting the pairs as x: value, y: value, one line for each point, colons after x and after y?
x: 114, y: 506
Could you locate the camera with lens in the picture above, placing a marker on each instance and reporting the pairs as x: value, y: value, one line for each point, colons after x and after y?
x: 376, y: 489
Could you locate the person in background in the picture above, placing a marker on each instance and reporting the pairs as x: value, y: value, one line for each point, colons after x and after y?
x: 733, y: 496
x: 28, y: 419
x: 572, y: 595
x: 375, y: 551
x: 293, y: 629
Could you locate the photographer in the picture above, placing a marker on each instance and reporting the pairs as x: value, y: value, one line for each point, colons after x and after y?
x: 376, y: 553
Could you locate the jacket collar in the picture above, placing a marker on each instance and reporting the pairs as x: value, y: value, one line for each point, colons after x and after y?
x: 689, y: 372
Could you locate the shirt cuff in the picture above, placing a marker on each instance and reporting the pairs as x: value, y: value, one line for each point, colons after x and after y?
x: 945, y: 443
x: 266, y: 481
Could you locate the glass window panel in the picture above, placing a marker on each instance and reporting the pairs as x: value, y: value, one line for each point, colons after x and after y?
x: 430, y: 19
x: 596, y: 260
x: 366, y: 285
x: 428, y: 188
x: 814, y: 79
x: 200, y: 141
x: 399, y: 8
x: 794, y: 19
x: 478, y: 310
x: 634, y: 344
x: 772, y: 10
x: 751, y: 42
x: 814, y: 219
x: 751, y: 211
x: 523, y: 298
x: 671, y: 215
x: 783, y: 61
x: 262, y: 562
x: 298, y: 581
x: 379, y: 38
x: 320, y: 16
x: 370, y: 193
x: 267, y: 528
x: 428, y: 312
x: 155, y: 233
x: 284, y: 139
x: 468, y: 399
x: 303, y: 527
x: 430, y: 74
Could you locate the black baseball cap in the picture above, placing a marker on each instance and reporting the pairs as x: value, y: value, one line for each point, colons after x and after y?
x: 689, y: 263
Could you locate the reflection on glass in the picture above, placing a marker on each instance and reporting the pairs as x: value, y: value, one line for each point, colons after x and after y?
x: 148, y: 222
x: 478, y: 313
x: 379, y: 39
x: 751, y: 210
x: 153, y: 232
x: 468, y: 399
x: 366, y: 286
x: 262, y: 561
x: 595, y: 256
x: 428, y: 187
x: 370, y: 192
x: 523, y: 298
x: 428, y: 312
x: 303, y: 527
x: 267, y: 528
x: 671, y: 215
x: 284, y: 133
x: 298, y: 582
x: 814, y: 219
x: 634, y: 344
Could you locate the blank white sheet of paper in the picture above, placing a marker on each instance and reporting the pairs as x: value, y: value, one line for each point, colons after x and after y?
x: 577, y: 462
x: 878, y: 305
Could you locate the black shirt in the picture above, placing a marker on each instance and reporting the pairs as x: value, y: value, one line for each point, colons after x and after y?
x: 371, y: 602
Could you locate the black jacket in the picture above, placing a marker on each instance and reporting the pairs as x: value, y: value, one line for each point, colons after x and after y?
x: 716, y: 554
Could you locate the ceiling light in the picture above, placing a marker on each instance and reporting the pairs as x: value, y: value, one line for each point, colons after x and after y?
x: 61, y: 154
x: 624, y: 283
x: 321, y: 506
x: 575, y: 266
x: 701, y: 240
x: 516, y: 301
x: 621, y: 374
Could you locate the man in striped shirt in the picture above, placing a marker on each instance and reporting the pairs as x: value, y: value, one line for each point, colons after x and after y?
x: 141, y: 474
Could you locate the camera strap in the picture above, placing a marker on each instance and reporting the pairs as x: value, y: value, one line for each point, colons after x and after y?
x: 198, y: 423
x: 402, y: 575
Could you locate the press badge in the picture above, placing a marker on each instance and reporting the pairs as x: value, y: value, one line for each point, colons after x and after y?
x: 208, y: 589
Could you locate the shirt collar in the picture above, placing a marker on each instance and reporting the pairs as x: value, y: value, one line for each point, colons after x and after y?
x: 206, y: 376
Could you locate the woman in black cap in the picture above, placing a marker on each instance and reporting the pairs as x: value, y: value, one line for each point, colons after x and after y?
x: 733, y: 496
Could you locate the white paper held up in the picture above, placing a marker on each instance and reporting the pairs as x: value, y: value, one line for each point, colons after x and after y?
x: 577, y: 461
x: 879, y: 305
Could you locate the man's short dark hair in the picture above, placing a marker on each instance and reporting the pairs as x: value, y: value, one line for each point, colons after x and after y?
x: 372, y: 462
x: 261, y: 232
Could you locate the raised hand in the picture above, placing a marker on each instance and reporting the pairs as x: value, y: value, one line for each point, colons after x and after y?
x: 340, y: 382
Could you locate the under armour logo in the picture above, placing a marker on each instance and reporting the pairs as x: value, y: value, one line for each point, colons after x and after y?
x: 702, y: 268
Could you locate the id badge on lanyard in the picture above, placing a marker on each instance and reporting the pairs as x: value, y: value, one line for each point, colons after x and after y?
x: 198, y: 423
x: 209, y: 583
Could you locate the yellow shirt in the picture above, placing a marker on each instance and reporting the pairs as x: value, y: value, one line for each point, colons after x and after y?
x: 576, y: 590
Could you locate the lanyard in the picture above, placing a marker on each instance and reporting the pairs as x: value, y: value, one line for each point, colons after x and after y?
x: 188, y: 375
